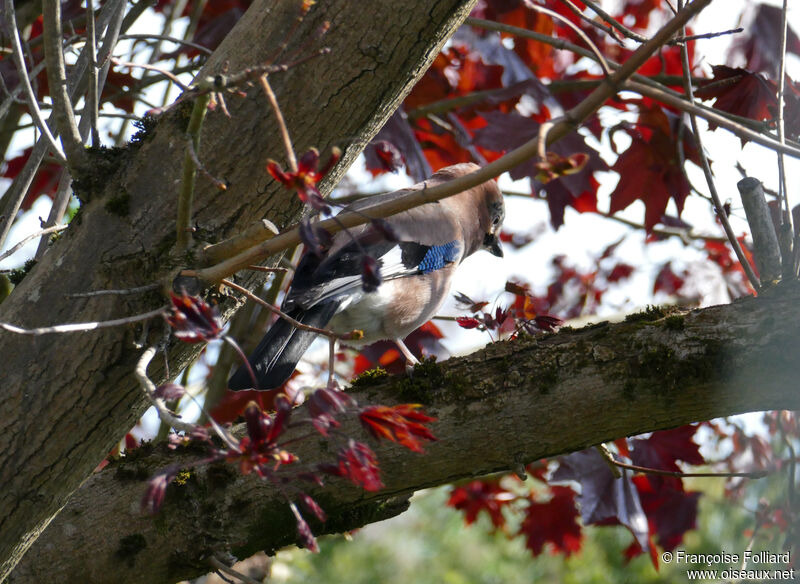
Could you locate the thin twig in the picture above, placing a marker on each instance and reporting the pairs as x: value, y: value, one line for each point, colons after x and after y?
x: 220, y: 184
x: 82, y: 326
x: 614, y: 22
x: 92, y: 100
x: 603, y: 450
x: 149, y: 389
x: 25, y: 82
x: 598, y: 25
x: 781, y: 113
x: 218, y: 565
x: 711, y: 115
x: 170, y: 39
x: 112, y: 19
x: 284, y: 131
x: 186, y: 196
x: 13, y: 197
x: 57, y: 80
x: 253, y: 235
x: 757, y: 474
x: 25, y: 240
x: 718, y: 208
x: 708, y: 35
x: 552, y: 14
x: 160, y: 70
x: 120, y: 292
x: 295, y: 323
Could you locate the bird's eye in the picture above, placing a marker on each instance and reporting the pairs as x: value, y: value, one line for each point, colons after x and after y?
x: 496, y: 220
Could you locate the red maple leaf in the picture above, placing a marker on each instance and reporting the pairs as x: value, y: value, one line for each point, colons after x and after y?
x: 651, y: 169
x: 740, y: 92
x: 671, y: 511
x: 404, y: 424
x: 479, y: 496
x: 554, y: 522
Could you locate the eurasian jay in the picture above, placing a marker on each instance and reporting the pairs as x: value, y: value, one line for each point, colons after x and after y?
x: 416, y: 262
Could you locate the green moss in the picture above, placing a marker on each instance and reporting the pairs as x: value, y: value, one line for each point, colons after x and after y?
x: 546, y: 379
x: 651, y: 313
x: 426, y: 378
x: 129, y: 547
x: 369, y: 378
x: 183, y: 477
x: 103, y: 165
x: 16, y: 276
x: 674, y: 322
x: 144, y: 127
x: 119, y: 204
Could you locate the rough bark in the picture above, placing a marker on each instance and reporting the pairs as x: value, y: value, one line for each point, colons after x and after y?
x: 498, y: 409
x: 66, y: 399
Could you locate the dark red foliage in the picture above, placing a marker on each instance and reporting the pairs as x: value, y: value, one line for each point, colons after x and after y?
x: 740, y: 92
x: 153, y: 497
x: 358, y: 463
x: 44, y: 183
x: 194, y: 320
x: 651, y: 169
x: 477, y: 496
x: 312, y: 506
x: 404, y: 424
x: 324, y: 405
x: 620, y: 271
x: 554, y: 522
x: 259, y: 450
x: 668, y: 281
x: 671, y: 511
x: 387, y: 155
x: 305, y: 180
x: 468, y: 322
x: 604, y: 499
x: 758, y: 44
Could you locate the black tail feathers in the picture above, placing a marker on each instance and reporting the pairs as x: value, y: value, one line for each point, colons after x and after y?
x: 278, y: 353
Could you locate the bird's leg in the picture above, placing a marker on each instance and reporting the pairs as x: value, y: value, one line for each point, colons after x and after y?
x: 331, y: 359
x: 411, y: 360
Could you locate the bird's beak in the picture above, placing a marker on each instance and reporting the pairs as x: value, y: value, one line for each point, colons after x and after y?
x: 491, y: 243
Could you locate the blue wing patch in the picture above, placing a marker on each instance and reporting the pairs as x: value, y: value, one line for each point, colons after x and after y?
x: 438, y: 256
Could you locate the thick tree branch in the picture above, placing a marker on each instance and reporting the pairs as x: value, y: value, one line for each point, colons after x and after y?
x: 509, y: 404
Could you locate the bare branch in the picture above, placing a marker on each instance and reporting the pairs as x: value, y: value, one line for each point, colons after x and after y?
x: 614, y: 22
x: 57, y: 80
x: 120, y: 292
x: 284, y: 131
x: 552, y: 14
x: 25, y: 240
x: 25, y: 82
x: 170, y: 39
x: 92, y: 99
x: 149, y: 389
x: 718, y: 207
x: 186, y: 196
x: 160, y: 70
x: 781, y: 114
x: 82, y: 326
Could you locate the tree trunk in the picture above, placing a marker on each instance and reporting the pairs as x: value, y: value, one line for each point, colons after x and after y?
x: 498, y: 409
x: 66, y: 399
